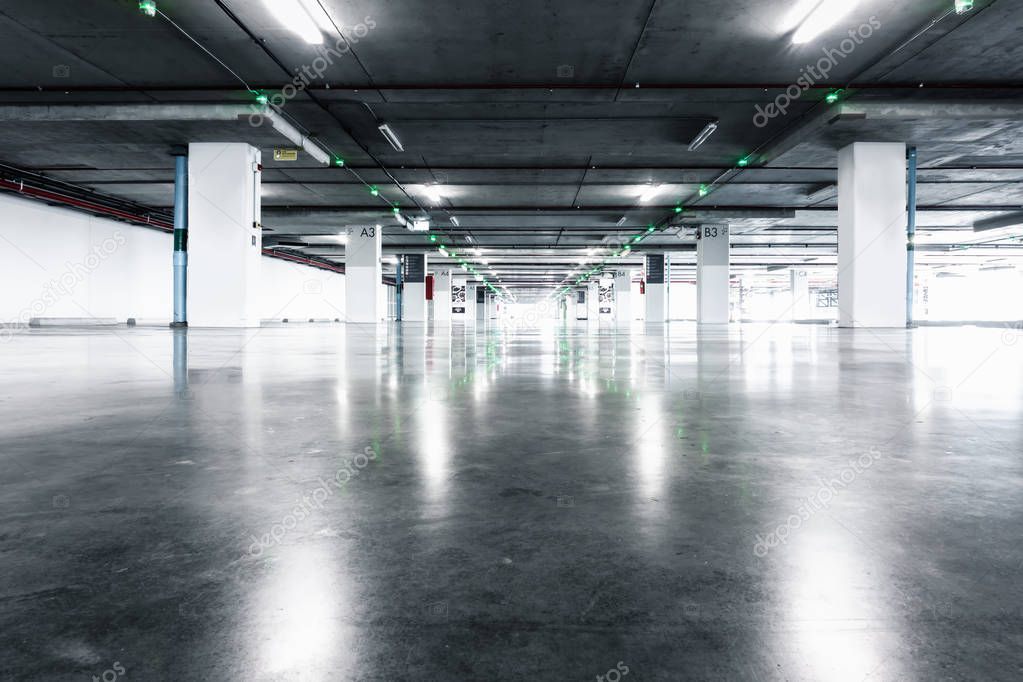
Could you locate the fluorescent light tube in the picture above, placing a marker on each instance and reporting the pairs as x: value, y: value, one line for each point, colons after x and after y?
x: 454, y: 221
x: 318, y: 15
x: 420, y: 225
x: 702, y: 137
x: 824, y: 16
x: 433, y: 193
x: 798, y: 14
x: 292, y: 14
x: 651, y: 192
x: 292, y: 133
x: 622, y: 220
x: 389, y: 135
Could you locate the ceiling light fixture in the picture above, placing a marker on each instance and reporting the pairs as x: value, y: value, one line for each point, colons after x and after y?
x: 434, y: 193
x: 622, y: 220
x: 651, y: 191
x: 420, y: 225
x: 825, y: 15
x: 319, y: 15
x: 702, y: 137
x: 296, y: 17
x: 455, y: 222
x: 390, y: 136
x: 800, y: 11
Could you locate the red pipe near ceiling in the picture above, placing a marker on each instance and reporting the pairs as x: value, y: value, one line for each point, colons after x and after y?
x: 55, y: 197
x: 46, y: 195
x: 303, y: 261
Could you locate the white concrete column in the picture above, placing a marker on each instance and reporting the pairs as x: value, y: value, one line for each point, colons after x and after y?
x: 872, y: 222
x: 363, y: 275
x: 656, y: 288
x: 799, y: 285
x: 712, y: 278
x: 225, y: 242
x: 593, y: 302
x: 623, y: 297
x: 413, y: 299
x: 442, y: 296
x: 480, y: 297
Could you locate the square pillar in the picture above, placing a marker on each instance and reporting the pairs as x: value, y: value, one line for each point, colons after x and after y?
x: 225, y: 242
x: 656, y: 288
x: 363, y: 274
x: 593, y: 302
x: 623, y: 297
x: 872, y: 219
x: 481, y: 303
x: 799, y: 285
x: 712, y: 277
x: 413, y: 298
x: 442, y: 296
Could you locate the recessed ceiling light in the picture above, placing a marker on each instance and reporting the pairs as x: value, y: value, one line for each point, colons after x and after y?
x: 651, y: 191
x: 797, y: 15
x: 318, y: 14
x: 702, y: 137
x: 390, y: 136
x: 293, y: 14
x: 434, y: 193
x: 824, y: 16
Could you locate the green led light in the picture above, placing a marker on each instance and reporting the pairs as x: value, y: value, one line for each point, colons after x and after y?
x: 339, y: 162
x: 678, y: 209
x: 396, y: 210
x: 963, y: 6
x: 832, y: 96
x: 650, y: 229
x: 374, y: 191
x: 148, y: 7
x: 637, y: 238
x: 704, y: 190
x: 261, y: 98
x: 433, y: 237
x: 745, y: 161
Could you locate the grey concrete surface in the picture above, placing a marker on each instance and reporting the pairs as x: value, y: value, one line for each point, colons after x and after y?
x: 320, y: 503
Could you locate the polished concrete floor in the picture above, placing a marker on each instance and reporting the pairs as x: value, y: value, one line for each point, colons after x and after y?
x: 327, y: 503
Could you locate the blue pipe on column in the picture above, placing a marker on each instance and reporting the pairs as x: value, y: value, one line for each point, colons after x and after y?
x: 180, y: 241
x: 911, y: 238
x: 397, y: 289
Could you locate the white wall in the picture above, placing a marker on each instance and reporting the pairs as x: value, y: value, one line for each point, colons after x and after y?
x: 55, y: 262
x: 300, y: 293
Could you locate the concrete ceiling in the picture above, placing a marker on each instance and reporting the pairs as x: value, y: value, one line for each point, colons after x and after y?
x: 543, y: 121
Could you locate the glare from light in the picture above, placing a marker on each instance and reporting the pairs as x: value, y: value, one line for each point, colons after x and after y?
x: 798, y: 14
x: 318, y: 15
x: 434, y: 193
x: 823, y: 17
x: 292, y: 14
x: 652, y: 191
